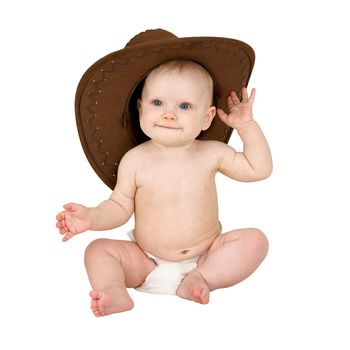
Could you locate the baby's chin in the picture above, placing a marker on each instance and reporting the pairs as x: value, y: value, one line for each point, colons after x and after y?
x: 172, y: 138
x: 173, y: 141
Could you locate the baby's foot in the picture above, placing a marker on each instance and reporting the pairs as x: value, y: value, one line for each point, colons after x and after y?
x: 193, y: 287
x: 110, y: 301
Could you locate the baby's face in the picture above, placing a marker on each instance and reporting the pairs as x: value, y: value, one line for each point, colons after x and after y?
x: 175, y: 106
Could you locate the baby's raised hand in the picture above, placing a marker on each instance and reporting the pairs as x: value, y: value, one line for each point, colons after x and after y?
x: 240, y: 112
x: 73, y: 220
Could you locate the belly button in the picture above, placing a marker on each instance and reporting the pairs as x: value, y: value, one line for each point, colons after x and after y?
x: 185, y: 251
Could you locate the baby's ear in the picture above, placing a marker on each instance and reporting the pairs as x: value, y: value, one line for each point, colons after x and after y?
x: 138, y: 104
x: 209, y: 116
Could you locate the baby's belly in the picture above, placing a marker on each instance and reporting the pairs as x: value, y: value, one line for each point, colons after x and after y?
x: 168, y: 245
x: 179, y: 231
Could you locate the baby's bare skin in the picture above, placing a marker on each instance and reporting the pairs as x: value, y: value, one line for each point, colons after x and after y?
x: 180, y: 221
x: 168, y: 182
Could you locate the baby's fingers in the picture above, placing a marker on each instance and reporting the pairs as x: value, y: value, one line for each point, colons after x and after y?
x: 60, y: 216
x: 246, y: 98
x: 252, y: 95
x: 244, y: 94
x: 62, y: 229
x: 68, y: 236
x: 232, y: 100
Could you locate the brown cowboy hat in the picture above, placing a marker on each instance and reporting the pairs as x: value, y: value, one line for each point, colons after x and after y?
x: 105, y: 102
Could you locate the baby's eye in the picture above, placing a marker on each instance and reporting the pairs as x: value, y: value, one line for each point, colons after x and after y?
x: 157, y: 103
x: 185, y: 105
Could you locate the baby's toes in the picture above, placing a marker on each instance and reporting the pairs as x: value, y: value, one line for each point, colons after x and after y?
x: 95, y: 309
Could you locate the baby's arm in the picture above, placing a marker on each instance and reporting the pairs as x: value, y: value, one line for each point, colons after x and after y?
x: 255, y: 163
x: 118, y: 209
x: 109, y: 214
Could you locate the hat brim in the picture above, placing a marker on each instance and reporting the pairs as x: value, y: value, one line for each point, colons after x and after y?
x: 104, y: 92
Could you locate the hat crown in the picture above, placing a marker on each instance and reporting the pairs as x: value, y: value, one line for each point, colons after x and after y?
x: 150, y: 35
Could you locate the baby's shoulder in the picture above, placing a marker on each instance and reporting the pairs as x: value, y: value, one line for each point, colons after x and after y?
x: 211, y: 147
x: 131, y: 157
x: 136, y: 151
x: 213, y: 151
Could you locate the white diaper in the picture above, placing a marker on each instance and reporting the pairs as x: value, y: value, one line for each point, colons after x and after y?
x: 167, y: 275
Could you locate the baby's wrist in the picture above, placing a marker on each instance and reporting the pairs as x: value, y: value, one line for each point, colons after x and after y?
x: 245, y: 125
x: 94, y: 214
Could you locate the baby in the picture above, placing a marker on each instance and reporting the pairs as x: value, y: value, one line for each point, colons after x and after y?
x: 169, y: 183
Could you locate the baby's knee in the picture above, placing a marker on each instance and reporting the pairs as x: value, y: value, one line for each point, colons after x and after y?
x: 259, y: 242
x: 96, y: 248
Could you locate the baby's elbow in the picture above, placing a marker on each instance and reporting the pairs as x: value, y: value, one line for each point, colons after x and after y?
x: 253, y: 174
x: 264, y: 173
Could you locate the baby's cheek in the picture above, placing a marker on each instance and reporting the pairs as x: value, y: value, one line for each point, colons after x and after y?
x: 197, y: 130
x: 143, y: 125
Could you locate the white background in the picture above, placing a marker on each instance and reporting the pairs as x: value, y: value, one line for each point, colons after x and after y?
x: 299, y: 298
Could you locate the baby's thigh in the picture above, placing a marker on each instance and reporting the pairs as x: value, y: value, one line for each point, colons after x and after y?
x: 251, y: 239
x: 134, y: 262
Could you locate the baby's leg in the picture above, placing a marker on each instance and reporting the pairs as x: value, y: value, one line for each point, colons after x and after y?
x: 113, y: 266
x: 231, y: 258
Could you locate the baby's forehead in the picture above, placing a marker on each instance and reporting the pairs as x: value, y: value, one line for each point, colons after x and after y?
x: 180, y: 68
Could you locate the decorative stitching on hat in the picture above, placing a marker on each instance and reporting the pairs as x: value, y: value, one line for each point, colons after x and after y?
x: 95, y: 129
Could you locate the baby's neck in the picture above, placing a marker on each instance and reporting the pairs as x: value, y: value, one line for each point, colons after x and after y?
x: 174, y: 150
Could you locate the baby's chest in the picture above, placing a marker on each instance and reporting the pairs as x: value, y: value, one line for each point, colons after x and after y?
x: 178, y: 183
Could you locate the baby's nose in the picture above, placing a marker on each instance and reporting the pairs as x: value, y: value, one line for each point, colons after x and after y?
x: 169, y: 116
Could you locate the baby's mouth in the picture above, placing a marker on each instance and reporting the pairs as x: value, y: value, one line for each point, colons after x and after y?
x: 167, y: 127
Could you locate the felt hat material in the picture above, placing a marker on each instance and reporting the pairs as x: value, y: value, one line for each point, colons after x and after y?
x: 105, y: 102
